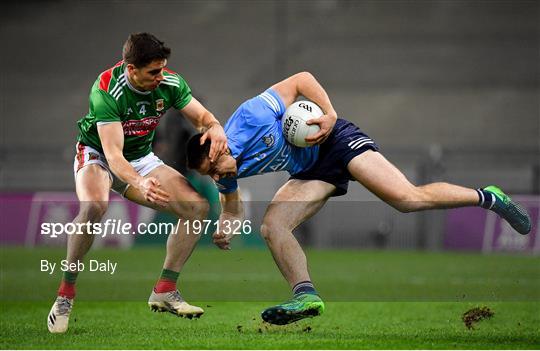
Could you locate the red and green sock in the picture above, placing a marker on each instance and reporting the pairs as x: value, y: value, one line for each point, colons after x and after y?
x: 67, y: 286
x: 167, y: 281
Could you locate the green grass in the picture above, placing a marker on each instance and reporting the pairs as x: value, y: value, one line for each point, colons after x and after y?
x: 375, y: 300
x: 357, y: 325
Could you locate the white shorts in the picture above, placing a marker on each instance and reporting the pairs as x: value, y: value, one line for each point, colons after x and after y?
x: 87, y: 155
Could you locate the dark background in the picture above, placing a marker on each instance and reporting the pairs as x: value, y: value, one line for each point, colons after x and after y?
x: 449, y: 89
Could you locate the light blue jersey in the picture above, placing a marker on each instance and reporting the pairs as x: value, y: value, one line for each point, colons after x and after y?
x: 257, y: 142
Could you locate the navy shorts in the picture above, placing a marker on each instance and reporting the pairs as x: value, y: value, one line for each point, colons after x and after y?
x: 344, y: 143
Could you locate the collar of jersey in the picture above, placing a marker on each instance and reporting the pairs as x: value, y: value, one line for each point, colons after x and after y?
x: 132, y: 88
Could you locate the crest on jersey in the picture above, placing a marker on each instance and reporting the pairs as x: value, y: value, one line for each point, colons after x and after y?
x: 268, y: 140
x: 160, y: 105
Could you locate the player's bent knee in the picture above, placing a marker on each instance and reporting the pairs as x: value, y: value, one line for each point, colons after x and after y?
x: 266, y: 232
x: 409, y: 201
x: 193, y: 210
x: 270, y: 231
x: 201, y: 209
x: 92, y: 211
x: 404, y: 207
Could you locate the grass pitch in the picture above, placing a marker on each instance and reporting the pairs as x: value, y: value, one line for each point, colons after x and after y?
x: 374, y: 300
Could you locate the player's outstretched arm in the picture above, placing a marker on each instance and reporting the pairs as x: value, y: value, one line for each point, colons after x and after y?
x: 207, y: 123
x: 305, y: 84
x: 232, y: 210
x: 112, y: 141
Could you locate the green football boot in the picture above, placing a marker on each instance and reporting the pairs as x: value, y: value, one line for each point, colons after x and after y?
x: 511, y: 211
x: 299, y: 307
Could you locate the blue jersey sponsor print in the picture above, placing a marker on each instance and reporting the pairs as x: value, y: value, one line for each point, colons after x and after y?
x: 257, y: 142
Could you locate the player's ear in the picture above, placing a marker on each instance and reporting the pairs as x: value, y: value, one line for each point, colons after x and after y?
x: 131, y: 68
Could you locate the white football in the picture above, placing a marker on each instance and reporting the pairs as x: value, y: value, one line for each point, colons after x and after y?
x: 294, y: 120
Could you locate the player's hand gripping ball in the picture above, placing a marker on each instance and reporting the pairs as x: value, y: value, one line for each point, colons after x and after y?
x: 294, y: 120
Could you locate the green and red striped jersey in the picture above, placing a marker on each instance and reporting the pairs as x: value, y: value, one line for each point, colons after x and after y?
x: 114, y: 99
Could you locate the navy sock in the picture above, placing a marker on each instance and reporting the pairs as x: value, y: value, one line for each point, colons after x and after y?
x: 305, y: 287
x: 485, y: 198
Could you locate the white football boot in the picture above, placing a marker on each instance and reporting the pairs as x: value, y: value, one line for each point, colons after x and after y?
x: 58, y: 318
x: 173, y: 302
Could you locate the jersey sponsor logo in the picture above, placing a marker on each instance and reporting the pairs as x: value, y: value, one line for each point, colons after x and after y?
x: 140, y: 127
x: 269, y: 140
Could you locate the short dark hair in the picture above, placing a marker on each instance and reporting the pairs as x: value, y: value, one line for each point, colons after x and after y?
x: 196, y: 153
x: 140, y: 49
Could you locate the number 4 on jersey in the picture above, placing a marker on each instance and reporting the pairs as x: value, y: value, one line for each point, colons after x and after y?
x: 142, y: 111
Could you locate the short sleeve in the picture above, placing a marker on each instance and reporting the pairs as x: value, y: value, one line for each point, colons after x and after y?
x: 274, y: 102
x: 227, y: 185
x: 181, y: 91
x: 263, y: 109
x: 104, y: 107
